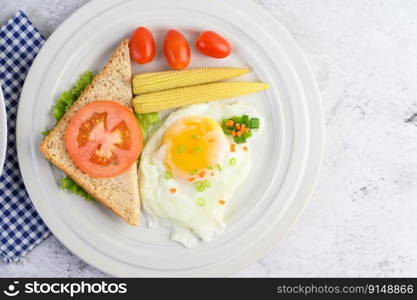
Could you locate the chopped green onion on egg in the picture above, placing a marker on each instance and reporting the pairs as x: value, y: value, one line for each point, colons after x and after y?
x: 240, y: 127
x: 168, y: 175
x: 199, y: 186
x: 207, y: 183
x: 232, y: 161
x: 180, y: 149
x: 197, y: 149
x: 201, y: 201
x: 245, y: 120
x: 254, y: 123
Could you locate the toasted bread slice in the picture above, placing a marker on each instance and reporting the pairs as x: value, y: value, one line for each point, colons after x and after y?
x: 119, y: 194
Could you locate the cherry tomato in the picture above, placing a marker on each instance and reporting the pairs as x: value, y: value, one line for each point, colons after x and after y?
x: 103, y: 139
x: 176, y: 50
x: 142, y: 46
x: 213, y: 45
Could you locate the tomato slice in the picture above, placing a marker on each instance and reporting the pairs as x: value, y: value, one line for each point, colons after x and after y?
x: 104, y: 139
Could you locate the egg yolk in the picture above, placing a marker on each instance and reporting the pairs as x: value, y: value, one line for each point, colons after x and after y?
x: 192, y: 143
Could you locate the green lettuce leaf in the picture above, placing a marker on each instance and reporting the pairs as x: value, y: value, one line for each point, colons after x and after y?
x: 147, y: 122
x: 67, y: 98
x: 46, y: 132
x: 62, y: 105
x: 68, y: 184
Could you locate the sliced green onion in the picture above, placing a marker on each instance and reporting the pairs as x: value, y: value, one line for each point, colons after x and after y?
x: 245, y: 120
x: 168, y: 175
x: 227, y: 131
x: 237, y: 119
x: 247, y: 134
x: 201, y: 201
x: 195, y: 136
x: 206, y: 183
x: 254, y: 123
x: 210, y: 167
x: 224, y: 126
x: 250, y: 123
x: 197, y: 149
x: 199, y: 186
x: 219, y: 167
x: 239, y: 139
x: 194, y: 172
x: 232, y: 161
x: 180, y: 149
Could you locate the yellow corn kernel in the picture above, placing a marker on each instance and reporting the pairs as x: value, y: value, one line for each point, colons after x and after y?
x: 158, y: 101
x: 159, y: 81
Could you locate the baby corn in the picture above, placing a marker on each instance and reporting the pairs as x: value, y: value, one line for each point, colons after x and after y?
x: 158, y: 101
x: 159, y: 81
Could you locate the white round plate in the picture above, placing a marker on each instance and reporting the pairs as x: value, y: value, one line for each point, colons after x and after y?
x: 287, y: 155
x: 3, y: 131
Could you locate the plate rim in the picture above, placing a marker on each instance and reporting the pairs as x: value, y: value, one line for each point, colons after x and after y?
x: 314, y: 159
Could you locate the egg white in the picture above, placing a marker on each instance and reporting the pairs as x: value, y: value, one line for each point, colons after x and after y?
x: 188, y: 221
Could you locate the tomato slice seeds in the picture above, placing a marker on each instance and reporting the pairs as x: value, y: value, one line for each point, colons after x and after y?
x: 103, y: 139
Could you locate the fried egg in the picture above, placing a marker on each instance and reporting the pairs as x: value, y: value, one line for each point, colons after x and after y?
x: 190, y: 169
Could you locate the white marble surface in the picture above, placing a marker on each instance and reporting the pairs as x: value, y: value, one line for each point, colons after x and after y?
x: 362, y: 218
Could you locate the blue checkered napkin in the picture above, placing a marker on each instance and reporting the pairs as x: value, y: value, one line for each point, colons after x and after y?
x: 21, y: 228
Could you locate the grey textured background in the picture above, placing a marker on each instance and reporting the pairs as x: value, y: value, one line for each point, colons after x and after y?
x: 361, y: 220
